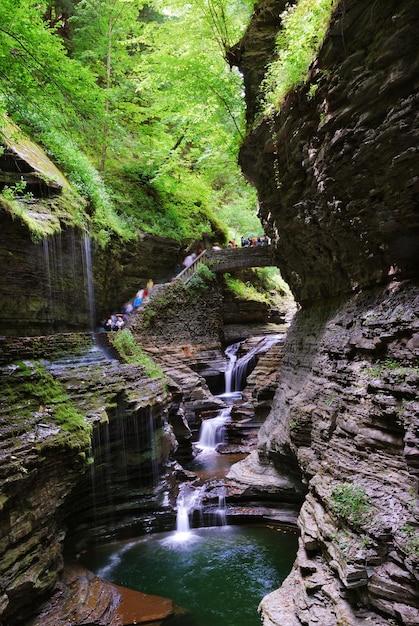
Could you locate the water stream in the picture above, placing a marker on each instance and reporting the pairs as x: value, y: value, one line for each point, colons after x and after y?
x: 219, y: 573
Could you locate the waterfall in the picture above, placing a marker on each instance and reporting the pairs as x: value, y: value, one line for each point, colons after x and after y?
x: 182, y: 519
x: 188, y: 502
x: 220, y: 513
x: 231, y: 354
x: 212, y: 430
x: 246, y: 363
x: 88, y: 273
x: 68, y: 283
x: 151, y: 436
x: 53, y: 261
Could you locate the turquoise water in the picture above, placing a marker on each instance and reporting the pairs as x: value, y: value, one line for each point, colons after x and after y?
x: 220, y: 574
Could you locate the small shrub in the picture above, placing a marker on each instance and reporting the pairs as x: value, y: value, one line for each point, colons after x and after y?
x: 201, y: 280
x: 349, y: 503
x: 412, y: 540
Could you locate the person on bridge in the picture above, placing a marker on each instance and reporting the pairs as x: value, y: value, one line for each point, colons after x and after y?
x: 188, y: 260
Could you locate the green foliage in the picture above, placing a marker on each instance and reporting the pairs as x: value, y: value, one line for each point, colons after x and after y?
x: 349, y: 503
x: 143, y: 95
x: 269, y: 279
x: 243, y: 291
x: 411, y: 544
x: 201, y: 281
x: 131, y: 352
x: 304, y: 26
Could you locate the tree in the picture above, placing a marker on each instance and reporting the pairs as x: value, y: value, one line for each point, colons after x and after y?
x: 103, y: 34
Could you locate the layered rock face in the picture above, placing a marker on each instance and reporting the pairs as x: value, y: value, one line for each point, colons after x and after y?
x: 54, y: 278
x: 336, y: 168
x: 346, y: 411
x: 336, y: 172
x: 81, y: 441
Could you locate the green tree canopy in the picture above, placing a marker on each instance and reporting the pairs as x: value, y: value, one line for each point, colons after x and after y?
x: 136, y: 104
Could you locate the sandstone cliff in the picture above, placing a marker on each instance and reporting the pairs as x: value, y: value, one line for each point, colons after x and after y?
x: 336, y: 172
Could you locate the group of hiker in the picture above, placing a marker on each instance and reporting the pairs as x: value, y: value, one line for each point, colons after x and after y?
x: 117, y: 321
x: 254, y: 241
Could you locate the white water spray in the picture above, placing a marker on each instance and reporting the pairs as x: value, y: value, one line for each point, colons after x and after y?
x: 212, y: 431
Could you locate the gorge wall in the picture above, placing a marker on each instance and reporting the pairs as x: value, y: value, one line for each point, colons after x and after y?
x: 336, y: 170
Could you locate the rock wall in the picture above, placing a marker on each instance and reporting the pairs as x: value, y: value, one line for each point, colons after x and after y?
x: 336, y: 173
x: 346, y: 411
x: 336, y: 167
x: 66, y: 283
x: 82, y: 442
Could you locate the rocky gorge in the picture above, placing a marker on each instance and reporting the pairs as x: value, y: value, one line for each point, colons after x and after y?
x: 336, y: 173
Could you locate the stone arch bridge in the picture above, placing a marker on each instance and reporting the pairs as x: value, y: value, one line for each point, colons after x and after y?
x: 231, y: 260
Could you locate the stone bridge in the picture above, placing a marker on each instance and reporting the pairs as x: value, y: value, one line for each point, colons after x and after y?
x: 234, y: 259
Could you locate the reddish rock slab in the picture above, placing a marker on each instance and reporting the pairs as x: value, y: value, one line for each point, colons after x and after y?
x: 82, y: 598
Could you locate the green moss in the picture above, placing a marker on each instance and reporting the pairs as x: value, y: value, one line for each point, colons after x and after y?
x: 395, y: 368
x: 244, y: 291
x: 131, y: 352
x: 34, y: 390
x: 411, y: 536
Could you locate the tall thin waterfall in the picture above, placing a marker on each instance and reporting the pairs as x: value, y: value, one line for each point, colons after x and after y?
x: 88, y: 272
x: 68, y: 283
x: 231, y: 354
x: 53, y: 260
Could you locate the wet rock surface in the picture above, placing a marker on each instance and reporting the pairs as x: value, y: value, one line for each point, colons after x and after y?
x: 46, y: 458
x: 82, y: 598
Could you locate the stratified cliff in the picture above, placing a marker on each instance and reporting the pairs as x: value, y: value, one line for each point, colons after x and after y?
x: 336, y: 170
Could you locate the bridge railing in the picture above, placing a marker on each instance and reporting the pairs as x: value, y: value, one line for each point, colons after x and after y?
x: 189, y: 271
x: 230, y: 259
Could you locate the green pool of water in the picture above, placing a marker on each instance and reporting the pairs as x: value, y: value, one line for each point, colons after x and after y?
x: 220, y: 574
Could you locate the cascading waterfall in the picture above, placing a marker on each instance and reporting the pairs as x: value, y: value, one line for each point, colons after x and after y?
x: 244, y: 365
x: 189, y: 502
x: 212, y: 430
x: 203, y: 553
